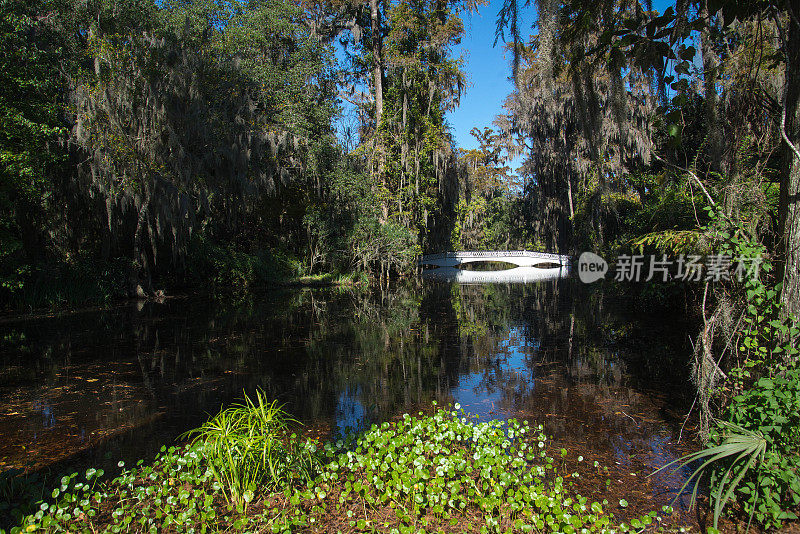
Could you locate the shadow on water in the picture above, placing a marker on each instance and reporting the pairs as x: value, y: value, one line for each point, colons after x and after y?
x: 608, y: 385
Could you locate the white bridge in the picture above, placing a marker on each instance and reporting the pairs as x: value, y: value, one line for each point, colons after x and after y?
x: 521, y: 258
x: 517, y: 275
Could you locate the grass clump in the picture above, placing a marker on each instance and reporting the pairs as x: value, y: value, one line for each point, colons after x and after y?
x: 443, y: 472
x: 249, y: 450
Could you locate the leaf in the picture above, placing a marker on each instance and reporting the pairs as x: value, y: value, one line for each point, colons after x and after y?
x: 688, y: 53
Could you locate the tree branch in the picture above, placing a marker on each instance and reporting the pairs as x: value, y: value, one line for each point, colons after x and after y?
x: 690, y: 173
x: 785, y: 137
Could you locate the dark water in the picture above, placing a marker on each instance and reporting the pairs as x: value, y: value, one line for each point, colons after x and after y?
x: 609, y: 384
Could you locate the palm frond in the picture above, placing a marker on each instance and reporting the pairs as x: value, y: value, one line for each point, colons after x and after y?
x: 741, y: 447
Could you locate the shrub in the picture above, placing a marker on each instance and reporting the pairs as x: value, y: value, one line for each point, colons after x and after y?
x: 225, y: 267
x: 754, y: 456
x: 249, y: 449
x: 767, y: 390
x: 771, y: 407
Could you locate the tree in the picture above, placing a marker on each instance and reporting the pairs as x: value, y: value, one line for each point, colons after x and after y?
x: 30, y: 154
x: 789, y: 209
x: 657, y: 43
x: 582, y: 122
x: 485, y: 194
x: 178, y: 134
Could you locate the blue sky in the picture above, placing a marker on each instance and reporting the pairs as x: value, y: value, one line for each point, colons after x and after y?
x: 488, y: 68
x: 489, y: 71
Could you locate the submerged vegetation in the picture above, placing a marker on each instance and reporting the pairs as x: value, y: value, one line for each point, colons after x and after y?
x: 427, y: 473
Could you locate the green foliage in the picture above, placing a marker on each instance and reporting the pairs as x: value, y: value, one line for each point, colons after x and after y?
x: 29, y: 113
x: 238, y: 95
x: 408, y: 151
x: 482, y: 224
x: 352, y: 225
x: 771, y: 406
x: 485, y: 212
x: 426, y: 472
x: 187, y: 118
x: 391, y: 244
x: 353, y: 279
x: 132, y: 128
x: 754, y: 456
x: 174, y: 491
x: 444, y: 469
x: 78, y: 283
x: 766, y: 386
x: 650, y: 214
x: 250, y: 451
x: 228, y: 268
x: 740, y: 451
x: 674, y: 241
x: 29, y: 156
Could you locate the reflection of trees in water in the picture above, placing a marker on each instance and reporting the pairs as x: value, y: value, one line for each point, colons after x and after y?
x: 184, y: 359
x: 558, y: 327
x: 158, y: 370
x: 105, y: 372
x: 369, y: 348
x: 578, y: 363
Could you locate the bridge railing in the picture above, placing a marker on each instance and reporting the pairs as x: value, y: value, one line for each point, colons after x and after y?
x: 492, y: 253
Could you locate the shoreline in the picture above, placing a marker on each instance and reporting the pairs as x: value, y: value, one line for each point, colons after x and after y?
x: 519, y: 454
x: 10, y: 316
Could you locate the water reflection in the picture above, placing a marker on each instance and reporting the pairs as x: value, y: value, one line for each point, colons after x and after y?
x: 129, y: 379
x: 516, y: 275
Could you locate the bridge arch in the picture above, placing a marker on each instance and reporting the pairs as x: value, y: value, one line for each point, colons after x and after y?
x: 520, y: 258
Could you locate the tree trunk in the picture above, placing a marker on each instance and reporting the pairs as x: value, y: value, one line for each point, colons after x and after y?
x: 710, y: 68
x: 27, y: 221
x: 105, y: 251
x: 569, y: 196
x: 139, y: 251
x: 377, y: 75
x: 377, y: 69
x: 789, y: 207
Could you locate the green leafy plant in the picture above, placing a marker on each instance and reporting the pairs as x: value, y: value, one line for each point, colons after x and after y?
x: 765, y: 384
x: 433, y: 472
x: 771, y: 406
x: 741, y: 449
x: 421, y: 473
x: 249, y: 449
x: 753, y: 458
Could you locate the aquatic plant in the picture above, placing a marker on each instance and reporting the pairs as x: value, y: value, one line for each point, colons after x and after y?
x: 439, y: 471
x: 424, y: 473
x: 249, y: 449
